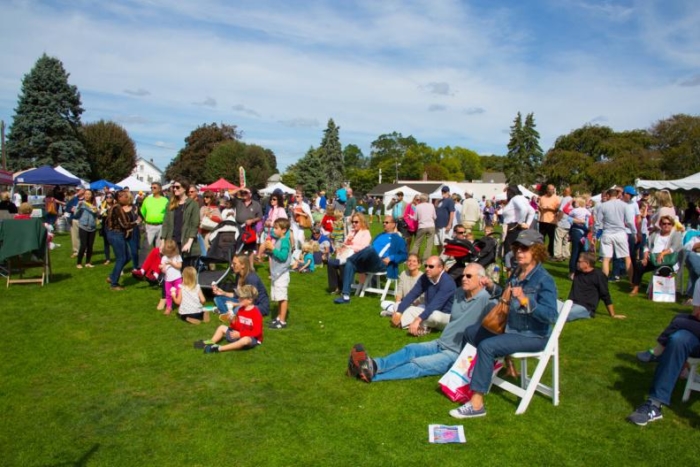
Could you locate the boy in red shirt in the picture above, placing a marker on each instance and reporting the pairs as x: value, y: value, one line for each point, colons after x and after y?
x: 245, y: 329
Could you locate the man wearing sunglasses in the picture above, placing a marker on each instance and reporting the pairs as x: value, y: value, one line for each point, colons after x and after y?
x: 153, y: 212
x: 387, y: 251
x: 438, y: 290
x: 434, y: 357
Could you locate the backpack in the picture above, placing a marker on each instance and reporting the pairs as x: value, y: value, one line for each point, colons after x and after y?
x: 51, y: 207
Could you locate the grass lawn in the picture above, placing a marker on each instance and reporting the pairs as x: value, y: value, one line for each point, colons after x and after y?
x: 94, y: 377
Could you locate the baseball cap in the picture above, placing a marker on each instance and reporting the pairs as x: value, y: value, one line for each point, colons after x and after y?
x: 529, y: 237
x: 629, y: 190
x: 446, y: 189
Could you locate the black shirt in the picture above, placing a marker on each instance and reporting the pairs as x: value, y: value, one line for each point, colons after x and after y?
x: 589, y: 288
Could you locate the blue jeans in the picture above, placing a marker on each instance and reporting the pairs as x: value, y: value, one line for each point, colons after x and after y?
x: 577, y: 311
x: 577, y: 234
x: 133, y: 245
x: 365, y: 260
x: 681, y: 344
x: 692, y: 260
x: 118, y: 243
x: 491, y: 346
x: 415, y: 361
x: 221, y: 301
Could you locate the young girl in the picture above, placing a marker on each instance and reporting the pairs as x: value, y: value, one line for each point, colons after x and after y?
x: 244, y: 331
x: 328, y: 220
x: 306, y: 263
x: 170, y: 265
x: 190, y: 298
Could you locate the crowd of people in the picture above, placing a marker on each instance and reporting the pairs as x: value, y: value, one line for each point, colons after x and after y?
x: 632, y: 233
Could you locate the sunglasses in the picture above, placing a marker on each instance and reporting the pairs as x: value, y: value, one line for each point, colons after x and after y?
x: 192, y: 192
x: 355, y: 222
x: 387, y: 222
x: 665, y: 223
x: 461, y: 232
x: 430, y: 266
x: 469, y: 276
x: 177, y: 187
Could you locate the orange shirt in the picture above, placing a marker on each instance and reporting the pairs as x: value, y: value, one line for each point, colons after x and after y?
x: 549, y: 205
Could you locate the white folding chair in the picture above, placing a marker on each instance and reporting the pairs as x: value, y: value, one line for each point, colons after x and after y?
x: 693, y: 383
x: 379, y: 289
x: 528, y: 385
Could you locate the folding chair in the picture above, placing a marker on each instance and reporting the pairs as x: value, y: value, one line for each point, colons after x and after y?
x: 379, y: 289
x: 528, y: 385
x: 693, y: 383
x: 23, y: 244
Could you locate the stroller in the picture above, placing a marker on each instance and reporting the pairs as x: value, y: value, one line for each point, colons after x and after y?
x: 482, y: 251
x: 225, y: 242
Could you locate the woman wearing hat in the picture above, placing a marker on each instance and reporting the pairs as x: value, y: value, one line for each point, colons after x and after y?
x: 533, y: 312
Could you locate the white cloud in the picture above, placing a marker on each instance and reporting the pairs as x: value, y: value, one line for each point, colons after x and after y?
x: 208, y: 102
x: 137, y: 92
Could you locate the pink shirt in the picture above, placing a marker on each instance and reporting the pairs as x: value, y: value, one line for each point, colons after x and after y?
x: 358, y: 240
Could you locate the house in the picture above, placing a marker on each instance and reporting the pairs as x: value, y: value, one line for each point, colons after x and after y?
x: 146, y: 171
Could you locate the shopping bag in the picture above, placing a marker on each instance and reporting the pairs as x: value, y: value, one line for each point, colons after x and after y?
x: 455, y: 384
x: 663, y: 289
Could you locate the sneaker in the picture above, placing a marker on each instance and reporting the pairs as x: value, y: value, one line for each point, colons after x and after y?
x: 367, y: 370
x: 647, y: 356
x: 468, y: 411
x: 424, y: 330
x: 614, y: 279
x: 211, y: 348
x: 277, y: 324
x: 645, y: 413
x: 386, y: 313
x: 199, y: 344
x: 341, y: 301
x: 357, y: 356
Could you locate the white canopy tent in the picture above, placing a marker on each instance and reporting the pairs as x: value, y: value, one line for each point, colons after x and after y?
x: 688, y: 183
x: 285, y: 189
x: 134, y: 184
x: 408, y: 194
x: 454, y: 188
x: 83, y: 183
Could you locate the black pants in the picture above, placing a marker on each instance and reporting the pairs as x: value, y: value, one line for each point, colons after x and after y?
x: 335, y: 275
x: 87, y: 240
x: 547, y: 230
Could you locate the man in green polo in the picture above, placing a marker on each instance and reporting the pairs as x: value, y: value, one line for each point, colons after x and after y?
x: 153, y: 211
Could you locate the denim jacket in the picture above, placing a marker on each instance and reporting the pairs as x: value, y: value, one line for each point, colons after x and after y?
x: 537, y: 318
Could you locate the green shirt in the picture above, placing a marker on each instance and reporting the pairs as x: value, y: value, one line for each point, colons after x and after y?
x: 153, y: 209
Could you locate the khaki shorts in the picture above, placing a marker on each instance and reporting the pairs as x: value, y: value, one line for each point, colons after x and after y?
x: 615, y: 243
x: 279, y: 287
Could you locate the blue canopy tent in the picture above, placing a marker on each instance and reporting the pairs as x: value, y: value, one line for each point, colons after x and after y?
x: 45, y: 175
x: 102, y: 184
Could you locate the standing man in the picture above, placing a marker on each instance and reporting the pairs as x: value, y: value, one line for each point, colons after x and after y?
x: 350, y: 207
x: 471, y: 210
x: 445, y: 215
x: 634, y: 239
x: 398, y: 206
x: 549, y: 206
x: 612, y: 218
x: 562, y: 250
x: 71, y: 208
x: 248, y: 213
x: 153, y: 211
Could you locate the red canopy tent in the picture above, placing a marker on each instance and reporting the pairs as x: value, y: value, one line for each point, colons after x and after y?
x: 220, y: 184
x: 6, y: 178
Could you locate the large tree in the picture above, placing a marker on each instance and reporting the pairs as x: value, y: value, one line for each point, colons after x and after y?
x: 191, y: 161
x: 331, y: 155
x: 678, y: 140
x: 111, y: 152
x: 308, y: 172
x: 45, y: 129
x: 533, y: 151
x: 224, y: 161
x: 524, y: 158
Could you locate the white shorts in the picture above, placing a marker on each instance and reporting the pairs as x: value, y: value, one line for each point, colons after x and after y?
x: 441, y: 235
x: 436, y: 320
x: 615, y: 243
x: 279, y: 287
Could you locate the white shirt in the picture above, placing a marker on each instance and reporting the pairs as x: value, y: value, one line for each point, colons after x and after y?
x: 518, y: 210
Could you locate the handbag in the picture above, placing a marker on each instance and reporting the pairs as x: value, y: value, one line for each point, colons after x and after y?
x: 496, y: 319
x: 249, y: 236
x: 669, y: 260
x: 208, y: 223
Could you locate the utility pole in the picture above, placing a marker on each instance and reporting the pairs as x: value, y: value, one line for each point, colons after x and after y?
x: 2, y: 144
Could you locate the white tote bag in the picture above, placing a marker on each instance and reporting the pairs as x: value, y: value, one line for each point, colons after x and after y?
x: 663, y: 289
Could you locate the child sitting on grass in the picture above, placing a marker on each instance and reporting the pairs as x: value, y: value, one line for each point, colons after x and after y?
x: 306, y: 263
x: 245, y: 330
x: 170, y: 265
x: 190, y: 298
x: 281, y: 259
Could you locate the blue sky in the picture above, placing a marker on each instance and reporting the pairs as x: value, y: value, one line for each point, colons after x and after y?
x: 447, y: 72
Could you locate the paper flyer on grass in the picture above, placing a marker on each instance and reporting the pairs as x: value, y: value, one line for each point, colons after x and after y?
x: 441, y: 434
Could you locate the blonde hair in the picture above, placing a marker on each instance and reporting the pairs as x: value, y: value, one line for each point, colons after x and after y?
x: 25, y: 208
x: 170, y: 248
x: 663, y: 199
x: 580, y: 202
x: 363, y: 222
x: 248, y: 291
x: 310, y: 247
x: 330, y: 211
x: 189, y: 277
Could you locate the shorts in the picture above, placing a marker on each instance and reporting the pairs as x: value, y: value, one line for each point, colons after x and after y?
x: 249, y: 247
x: 615, y: 243
x: 279, y: 288
x: 230, y: 339
x: 441, y: 235
x: 199, y: 316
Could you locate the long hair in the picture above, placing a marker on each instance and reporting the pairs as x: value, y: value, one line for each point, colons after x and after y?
x: 511, y: 191
x: 174, y: 200
x: 189, y: 277
x: 244, y: 261
x: 363, y: 222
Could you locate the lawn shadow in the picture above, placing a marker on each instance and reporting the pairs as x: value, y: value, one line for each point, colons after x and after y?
x: 59, y: 277
x: 82, y: 461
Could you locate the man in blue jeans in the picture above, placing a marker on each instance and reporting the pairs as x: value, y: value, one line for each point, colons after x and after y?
x: 387, y: 251
x: 429, y: 358
x: 680, y: 340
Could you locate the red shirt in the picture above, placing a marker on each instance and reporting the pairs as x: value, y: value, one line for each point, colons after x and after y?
x: 249, y: 323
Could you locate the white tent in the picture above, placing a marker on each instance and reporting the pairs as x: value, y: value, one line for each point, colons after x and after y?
x: 408, y: 194
x: 83, y: 183
x: 285, y: 189
x: 134, y: 184
x: 688, y: 183
x: 454, y: 188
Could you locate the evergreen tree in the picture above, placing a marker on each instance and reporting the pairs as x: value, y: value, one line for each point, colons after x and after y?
x: 111, y: 152
x: 533, y: 151
x: 46, y: 126
x: 308, y: 172
x: 514, y: 165
x: 331, y: 156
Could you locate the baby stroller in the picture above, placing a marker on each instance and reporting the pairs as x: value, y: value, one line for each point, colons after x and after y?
x: 482, y: 251
x: 225, y: 243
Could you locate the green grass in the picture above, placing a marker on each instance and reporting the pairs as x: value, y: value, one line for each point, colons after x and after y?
x: 93, y: 377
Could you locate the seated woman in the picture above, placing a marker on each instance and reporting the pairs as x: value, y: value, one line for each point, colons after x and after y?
x: 358, y: 238
x: 6, y: 203
x: 660, y: 245
x: 533, y: 311
x: 243, y: 276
